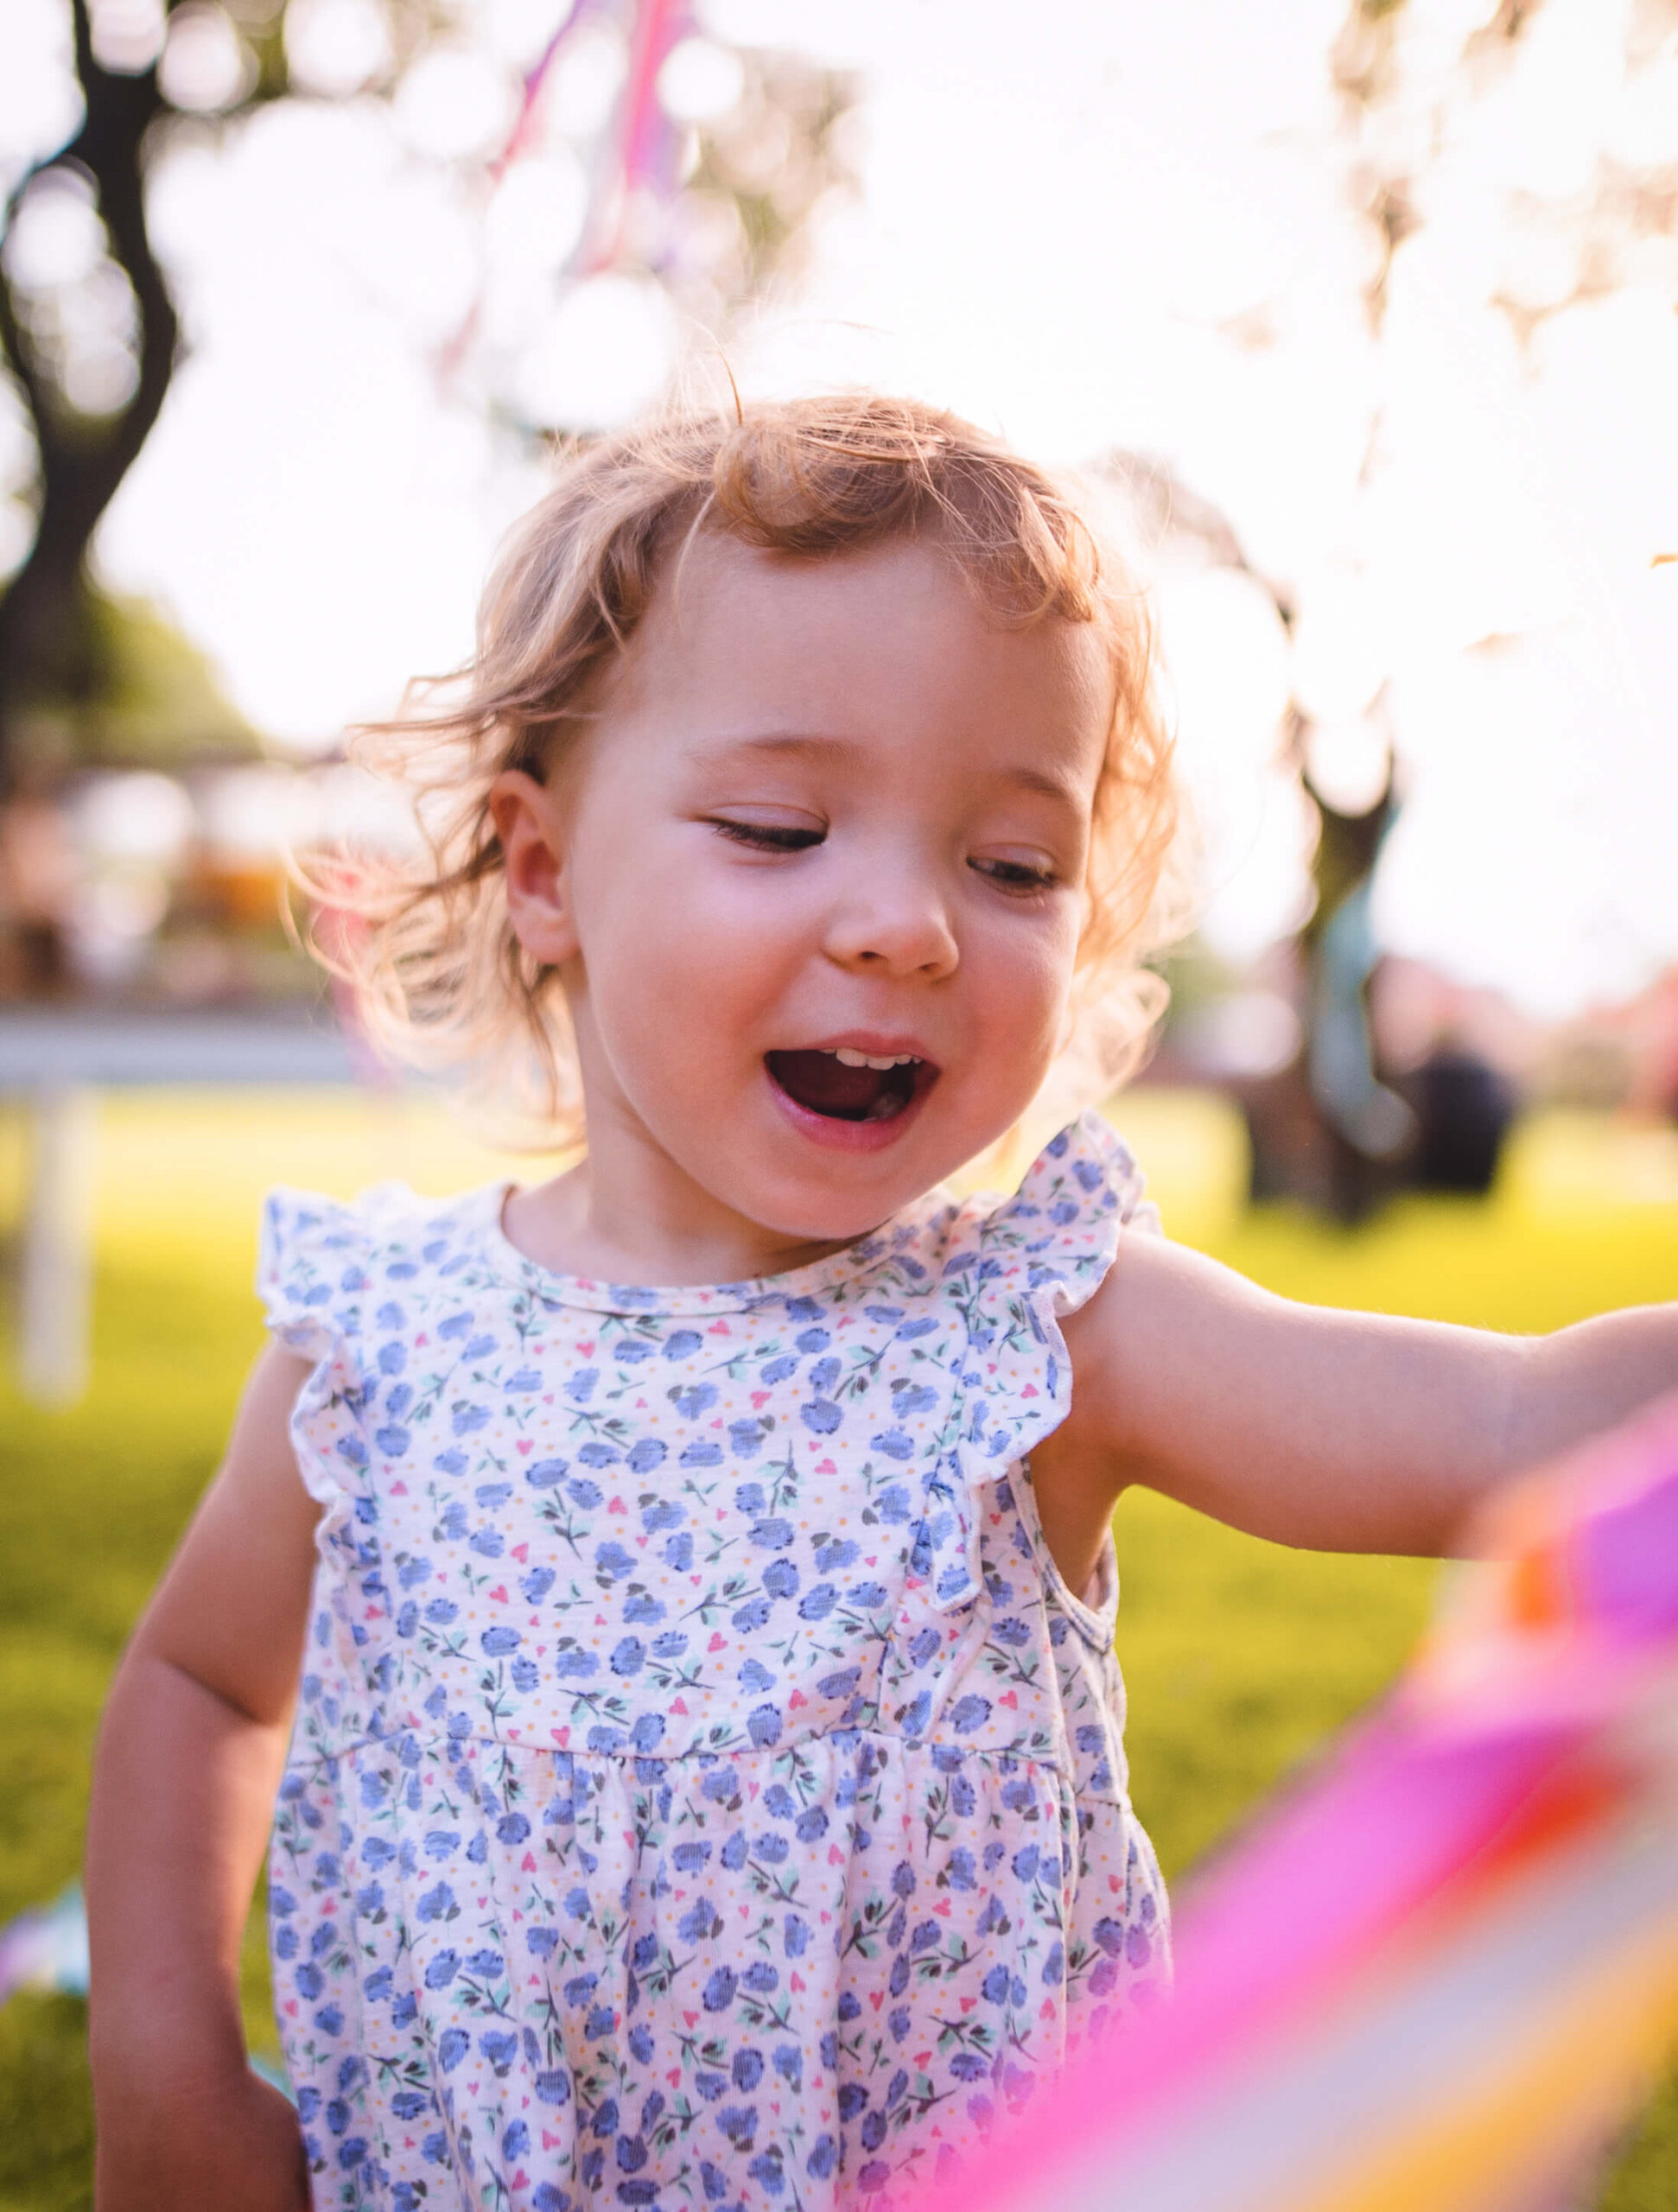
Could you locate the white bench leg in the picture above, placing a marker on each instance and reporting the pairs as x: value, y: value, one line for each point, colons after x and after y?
x: 56, y: 1269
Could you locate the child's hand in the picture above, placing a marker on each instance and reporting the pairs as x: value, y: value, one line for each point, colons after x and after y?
x: 233, y: 2145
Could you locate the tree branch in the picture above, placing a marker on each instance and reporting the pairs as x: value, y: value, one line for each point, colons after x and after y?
x: 15, y: 344
x: 45, y: 648
x: 119, y: 112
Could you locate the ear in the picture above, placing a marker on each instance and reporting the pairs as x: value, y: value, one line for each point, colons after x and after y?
x: 529, y: 824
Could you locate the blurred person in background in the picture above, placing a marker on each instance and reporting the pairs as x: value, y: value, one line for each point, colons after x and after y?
x: 38, y: 878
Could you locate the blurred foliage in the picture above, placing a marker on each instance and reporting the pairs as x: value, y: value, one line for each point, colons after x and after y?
x: 1240, y: 1656
x: 1626, y: 203
x: 158, y: 702
x: 712, y: 211
x: 770, y: 161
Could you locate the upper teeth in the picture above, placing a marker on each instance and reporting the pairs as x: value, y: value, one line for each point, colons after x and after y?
x: 848, y: 1057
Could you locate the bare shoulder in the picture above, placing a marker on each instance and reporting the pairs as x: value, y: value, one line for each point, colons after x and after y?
x: 1132, y: 1346
x: 259, y: 1449
x: 1310, y: 1425
x: 230, y: 1610
x: 1161, y: 1314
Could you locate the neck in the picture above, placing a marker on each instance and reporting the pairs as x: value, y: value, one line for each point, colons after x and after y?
x: 614, y: 1218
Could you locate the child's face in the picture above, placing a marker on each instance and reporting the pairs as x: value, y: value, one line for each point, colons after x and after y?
x: 829, y: 809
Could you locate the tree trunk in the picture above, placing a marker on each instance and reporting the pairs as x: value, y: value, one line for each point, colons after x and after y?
x: 46, y: 646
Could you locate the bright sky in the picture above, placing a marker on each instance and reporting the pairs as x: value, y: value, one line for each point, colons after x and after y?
x: 1098, y: 224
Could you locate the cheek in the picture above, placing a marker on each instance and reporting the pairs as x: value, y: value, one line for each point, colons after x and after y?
x: 1028, y: 974
x: 669, y: 938
x: 734, y: 933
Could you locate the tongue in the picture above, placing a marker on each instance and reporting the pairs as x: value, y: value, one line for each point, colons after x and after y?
x: 825, y: 1085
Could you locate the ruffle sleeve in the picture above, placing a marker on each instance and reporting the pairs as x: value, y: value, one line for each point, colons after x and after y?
x: 311, y: 1270
x: 312, y: 1277
x: 1022, y: 1267
x: 1044, y: 1254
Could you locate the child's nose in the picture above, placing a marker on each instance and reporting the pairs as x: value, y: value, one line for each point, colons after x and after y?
x: 895, y: 923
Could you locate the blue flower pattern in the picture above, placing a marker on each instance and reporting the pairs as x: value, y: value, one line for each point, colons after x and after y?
x: 705, y: 1790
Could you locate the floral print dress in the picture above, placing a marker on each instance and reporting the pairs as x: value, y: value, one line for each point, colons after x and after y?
x: 705, y: 1790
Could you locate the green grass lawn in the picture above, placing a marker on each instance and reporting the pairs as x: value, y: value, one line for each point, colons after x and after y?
x: 1240, y: 1656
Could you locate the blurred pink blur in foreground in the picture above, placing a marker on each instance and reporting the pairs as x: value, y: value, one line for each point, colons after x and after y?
x: 1440, y: 1972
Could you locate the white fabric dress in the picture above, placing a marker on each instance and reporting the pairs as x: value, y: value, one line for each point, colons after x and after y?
x: 705, y: 1790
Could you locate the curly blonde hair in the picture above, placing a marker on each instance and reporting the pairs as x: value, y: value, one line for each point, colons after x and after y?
x: 423, y: 937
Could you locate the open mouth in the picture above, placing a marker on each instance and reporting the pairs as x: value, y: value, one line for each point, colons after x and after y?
x: 846, y: 1085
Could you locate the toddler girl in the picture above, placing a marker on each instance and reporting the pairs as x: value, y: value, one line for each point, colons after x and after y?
x: 707, y: 1784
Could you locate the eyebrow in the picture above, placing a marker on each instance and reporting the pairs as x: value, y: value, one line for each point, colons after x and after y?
x: 1024, y: 777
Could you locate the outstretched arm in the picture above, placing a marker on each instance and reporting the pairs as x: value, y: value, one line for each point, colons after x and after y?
x: 190, y: 1752
x: 1328, y: 1430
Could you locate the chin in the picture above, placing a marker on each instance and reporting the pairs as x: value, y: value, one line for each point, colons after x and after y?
x: 818, y: 1217
x: 820, y: 1208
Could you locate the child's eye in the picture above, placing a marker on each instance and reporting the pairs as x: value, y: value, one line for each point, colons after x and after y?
x: 768, y: 836
x: 1014, y: 875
